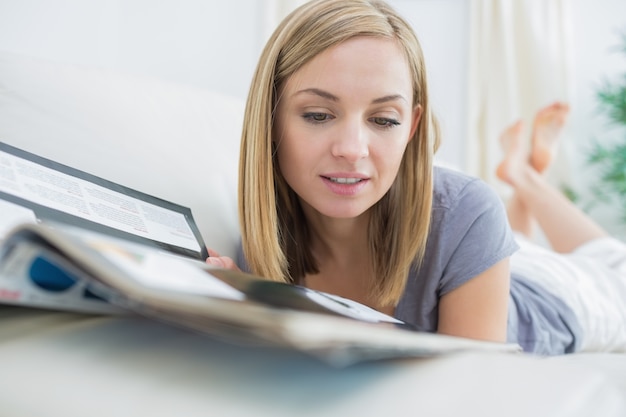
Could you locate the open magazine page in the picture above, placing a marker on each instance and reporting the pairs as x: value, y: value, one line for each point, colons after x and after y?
x: 139, y: 271
x: 54, y: 265
x: 35, y: 189
x: 33, y: 275
x: 233, y: 306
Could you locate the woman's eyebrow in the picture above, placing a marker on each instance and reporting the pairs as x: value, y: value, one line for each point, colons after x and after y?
x: 318, y: 92
x: 391, y: 97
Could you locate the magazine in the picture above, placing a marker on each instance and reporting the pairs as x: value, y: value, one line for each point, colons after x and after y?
x: 34, y: 189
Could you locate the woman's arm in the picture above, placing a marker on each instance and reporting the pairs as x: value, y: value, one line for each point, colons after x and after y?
x: 478, y: 309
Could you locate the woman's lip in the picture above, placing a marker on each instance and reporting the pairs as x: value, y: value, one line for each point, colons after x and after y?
x: 344, y: 180
x: 344, y: 186
x: 346, y: 175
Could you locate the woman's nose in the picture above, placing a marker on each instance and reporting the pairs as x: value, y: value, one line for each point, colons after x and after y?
x: 351, y: 141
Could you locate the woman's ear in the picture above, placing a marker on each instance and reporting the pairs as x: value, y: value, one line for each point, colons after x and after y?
x: 415, y: 119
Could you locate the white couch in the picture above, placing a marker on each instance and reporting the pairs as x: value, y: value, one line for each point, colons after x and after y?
x: 181, y: 144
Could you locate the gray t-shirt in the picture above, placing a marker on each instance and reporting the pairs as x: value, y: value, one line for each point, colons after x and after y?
x: 469, y: 234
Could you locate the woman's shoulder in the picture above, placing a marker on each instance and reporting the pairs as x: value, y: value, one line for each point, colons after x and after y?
x: 451, y: 186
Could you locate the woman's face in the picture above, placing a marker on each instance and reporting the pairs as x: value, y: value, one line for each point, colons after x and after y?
x: 342, y: 125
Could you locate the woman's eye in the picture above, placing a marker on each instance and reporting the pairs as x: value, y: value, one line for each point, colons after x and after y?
x: 385, y: 122
x: 317, y: 117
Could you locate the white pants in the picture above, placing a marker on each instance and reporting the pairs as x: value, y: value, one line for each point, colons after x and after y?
x: 591, y: 280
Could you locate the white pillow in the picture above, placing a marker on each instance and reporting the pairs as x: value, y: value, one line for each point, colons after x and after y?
x: 176, y: 142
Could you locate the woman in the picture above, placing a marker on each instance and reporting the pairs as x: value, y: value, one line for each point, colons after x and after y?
x: 337, y: 187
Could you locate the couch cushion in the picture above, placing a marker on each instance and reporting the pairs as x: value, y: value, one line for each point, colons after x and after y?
x: 176, y: 142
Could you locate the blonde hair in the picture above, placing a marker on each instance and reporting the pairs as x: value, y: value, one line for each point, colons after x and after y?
x: 274, y: 231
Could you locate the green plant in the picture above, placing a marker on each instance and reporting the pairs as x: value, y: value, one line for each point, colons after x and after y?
x: 609, y: 155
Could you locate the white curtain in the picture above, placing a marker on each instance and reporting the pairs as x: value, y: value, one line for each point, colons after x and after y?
x: 520, y: 60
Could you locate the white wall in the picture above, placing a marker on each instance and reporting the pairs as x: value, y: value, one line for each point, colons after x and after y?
x: 215, y: 44
x: 212, y: 44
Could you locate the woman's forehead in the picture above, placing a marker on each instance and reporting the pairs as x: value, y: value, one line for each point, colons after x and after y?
x: 373, y: 63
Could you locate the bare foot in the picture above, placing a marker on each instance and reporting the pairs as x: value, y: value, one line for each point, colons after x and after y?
x: 514, y: 153
x: 546, y: 130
